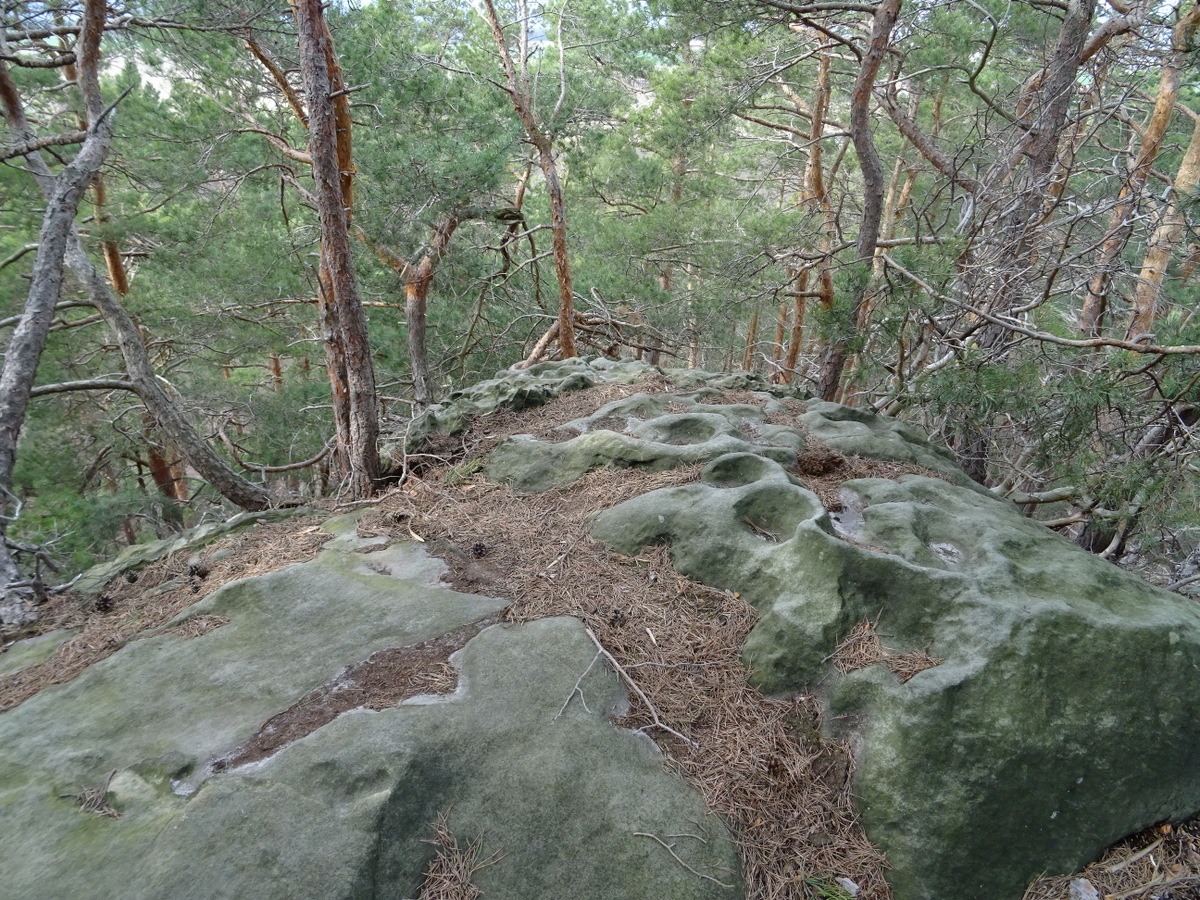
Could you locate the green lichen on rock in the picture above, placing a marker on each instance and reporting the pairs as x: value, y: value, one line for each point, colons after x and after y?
x: 653, y: 432
x: 1064, y: 713
x: 132, y: 558
x: 19, y: 654
x: 856, y: 432
x: 659, y: 431
x: 519, y: 389
x: 750, y: 526
x: 688, y: 379
x: 534, y: 768
x: 514, y: 389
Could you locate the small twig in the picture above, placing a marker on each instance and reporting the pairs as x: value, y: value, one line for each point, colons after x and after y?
x: 760, y: 531
x: 1183, y: 582
x: 350, y: 90
x: 357, y: 503
x: 1158, y: 882
x: 20, y: 504
x: 657, y: 723
x: 95, y: 800
x: 668, y: 847
x: 565, y: 553
x: 1125, y: 863
x: 577, y: 690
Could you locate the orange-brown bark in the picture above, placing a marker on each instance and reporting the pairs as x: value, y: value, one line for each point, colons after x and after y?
x: 519, y: 93
x: 1164, y: 242
x: 1095, y: 304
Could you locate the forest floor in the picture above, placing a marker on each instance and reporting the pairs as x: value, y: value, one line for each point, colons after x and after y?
x: 762, y: 763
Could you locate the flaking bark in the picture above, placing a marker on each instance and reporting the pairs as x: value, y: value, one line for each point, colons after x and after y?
x: 346, y: 321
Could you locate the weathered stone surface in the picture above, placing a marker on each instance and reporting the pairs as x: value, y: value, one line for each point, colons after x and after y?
x: 537, y: 385
x: 20, y: 654
x: 646, y: 431
x: 1061, y: 714
x: 511, y: 389
x: 343, y: 812
x: 1065, y: 713
x: 687, y: 379
x: 95, y: 579
x: 856, y: 432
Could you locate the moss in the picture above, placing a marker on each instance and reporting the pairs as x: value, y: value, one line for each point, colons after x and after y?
x: 1063, y: 716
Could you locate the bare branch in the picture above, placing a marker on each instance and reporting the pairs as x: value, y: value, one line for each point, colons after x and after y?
x: 1018, y: 327
x: 90, y: 384
x: 34, y: 144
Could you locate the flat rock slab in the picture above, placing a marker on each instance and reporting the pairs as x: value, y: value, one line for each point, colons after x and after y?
x: 565, y: 799
x: 20, y: 654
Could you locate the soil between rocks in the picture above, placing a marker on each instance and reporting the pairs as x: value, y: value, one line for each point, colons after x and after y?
x: 382, y: 681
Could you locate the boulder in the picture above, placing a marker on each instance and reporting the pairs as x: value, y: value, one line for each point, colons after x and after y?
x: 520, y: 389
x: 515, y: 389
x: 653, y: 432
x: 1015, y: 704
x: 1057, y: 710
x: 1024, y: 704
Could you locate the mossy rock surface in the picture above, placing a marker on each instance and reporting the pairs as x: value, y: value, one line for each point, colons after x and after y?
x: 553, y: 787
x: 519, y: 389
x: 514, y: 389
x: 134, y: 557
x: 1031, y: 703
x: 1063, y: 713
x: 19, y: 654
x: 653, y: 432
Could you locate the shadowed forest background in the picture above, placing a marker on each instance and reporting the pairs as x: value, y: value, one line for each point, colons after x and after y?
x: 296, y: 228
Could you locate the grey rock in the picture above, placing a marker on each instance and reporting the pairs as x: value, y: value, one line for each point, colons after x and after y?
x: 656, y: 432
x: 19, y: 654
x: 1064, y: 713
x: 548, y: 783
x: 98, y: 577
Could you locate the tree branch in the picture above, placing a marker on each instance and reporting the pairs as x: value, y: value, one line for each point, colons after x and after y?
x: 32, y: 145
x: 90, y: 384
x: 1018, y: 328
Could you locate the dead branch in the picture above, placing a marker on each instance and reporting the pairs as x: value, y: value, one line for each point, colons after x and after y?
x: 1018, y: 328
x: 91, y: 384
x: 577, y: 690
x: 668, y: 848
x: 633, y: 685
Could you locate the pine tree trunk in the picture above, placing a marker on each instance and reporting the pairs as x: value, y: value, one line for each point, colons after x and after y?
x: 347, y: 322
x: 416, y: 292
x: 1164, y: 242
x: 837, y: 352
x: 796, y: 338
x: 28, y: 339
x: 751, y: 340
x: 522, y: 100
x: 1120, y: 226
